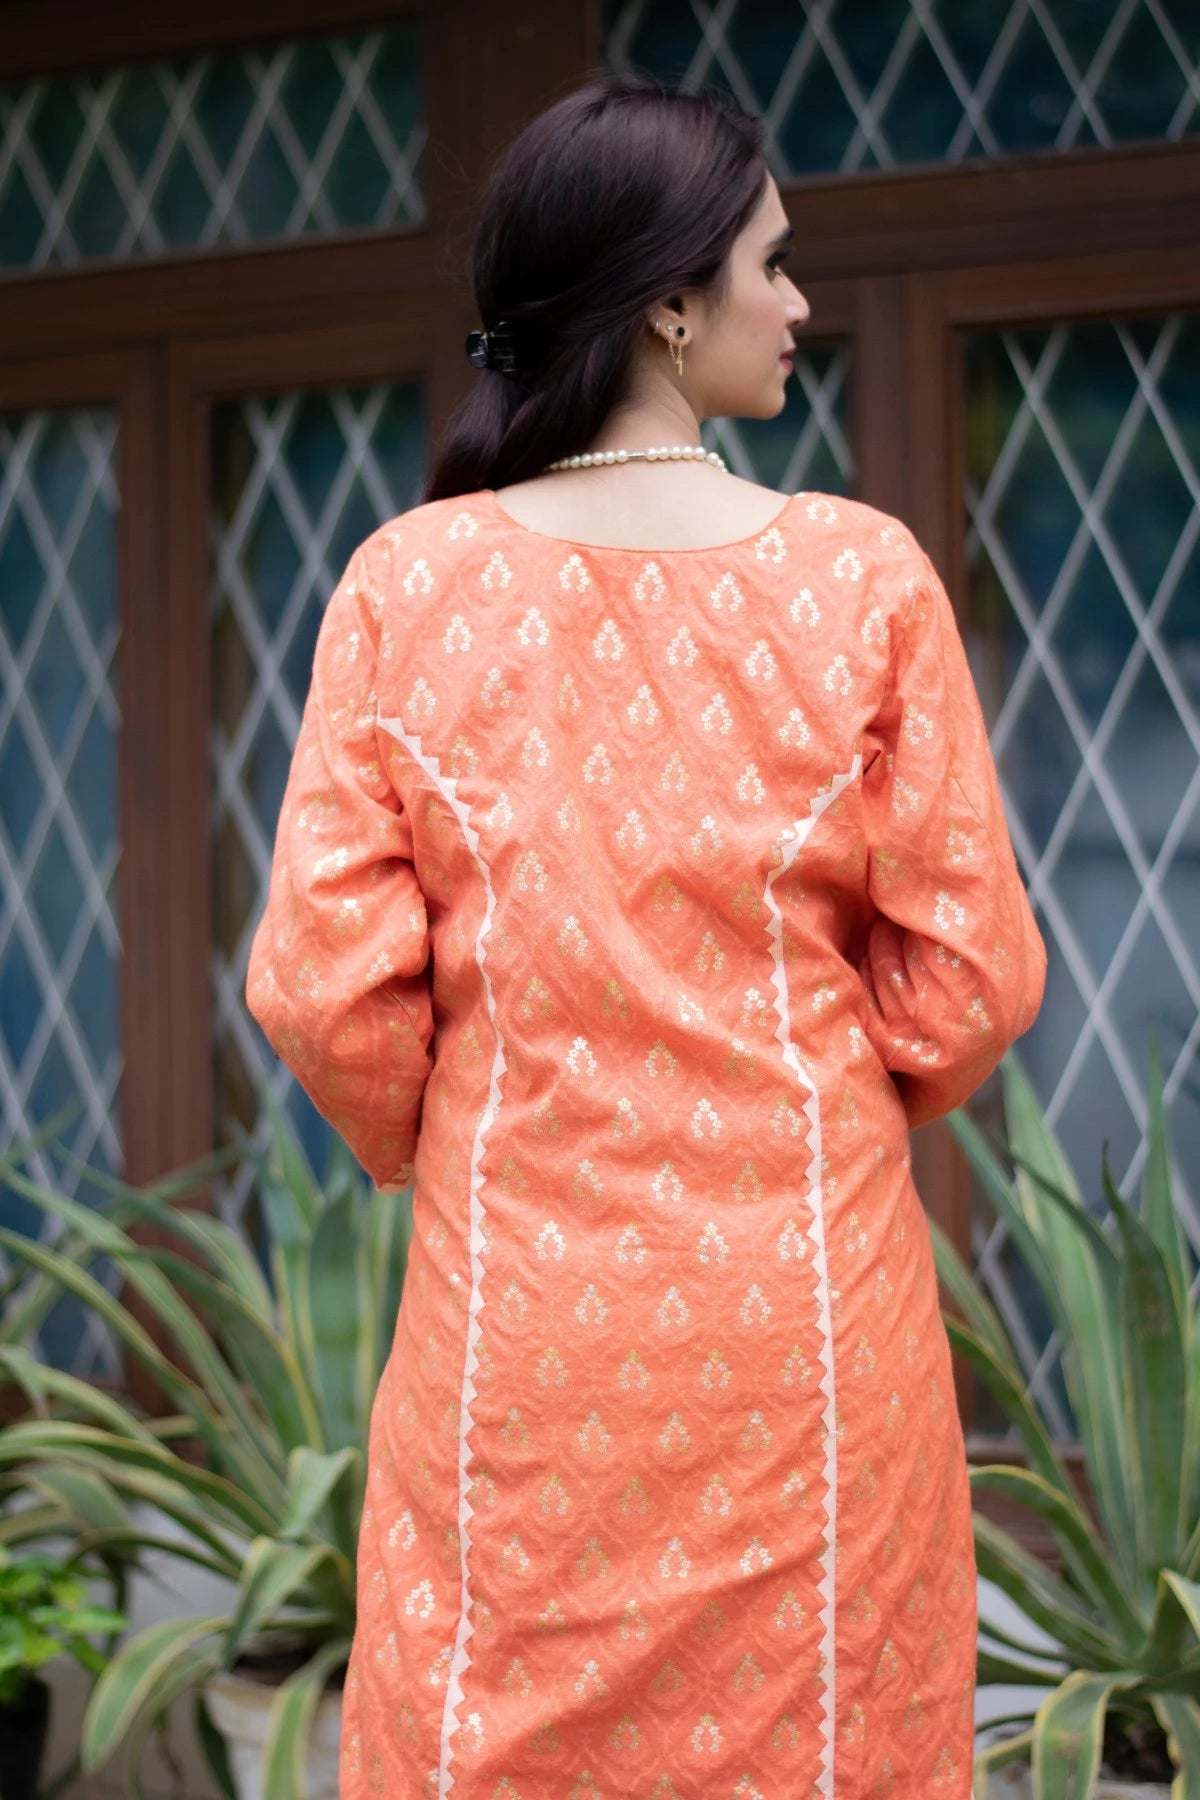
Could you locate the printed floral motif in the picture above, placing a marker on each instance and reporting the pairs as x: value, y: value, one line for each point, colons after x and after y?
x: 642, y: 709
x: 573, y: 575
x: 457, y: 635
x: 495, y: 691
x: 609, y: 894
x: 608, y: 643
x: 760, y: 664
x: 727, y: 596
x: 418, y: 578
x: 717, y: 716
x: 535, y: 751
x: 533, y: 629
x: 682, y: 651
x: 650, y: 585
x: 495, y: 573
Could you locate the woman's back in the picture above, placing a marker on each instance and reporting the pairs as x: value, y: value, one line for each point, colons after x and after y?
x: 676, y: 506
x: 636, y: 900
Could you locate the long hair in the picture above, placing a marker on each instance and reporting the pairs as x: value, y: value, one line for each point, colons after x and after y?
x: 622, y: 193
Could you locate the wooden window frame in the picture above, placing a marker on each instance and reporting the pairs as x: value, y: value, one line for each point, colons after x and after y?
x: 896, y: 264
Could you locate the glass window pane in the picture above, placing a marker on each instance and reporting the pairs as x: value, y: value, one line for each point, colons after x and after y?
x: 321, y: 136
x: 1083, y: 624
x: 60, y: 1040
x: 846, y: 87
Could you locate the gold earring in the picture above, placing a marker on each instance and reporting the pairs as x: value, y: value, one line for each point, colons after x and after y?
x: 674, y: 347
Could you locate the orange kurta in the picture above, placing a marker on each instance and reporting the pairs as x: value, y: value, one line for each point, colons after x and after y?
x: 662, y: 891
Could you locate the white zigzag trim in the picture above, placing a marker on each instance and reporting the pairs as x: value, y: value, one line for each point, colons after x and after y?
x: 800, y: 832
x: 460, y: 1661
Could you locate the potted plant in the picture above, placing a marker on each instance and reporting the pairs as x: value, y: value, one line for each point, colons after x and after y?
x: 1122, y: 1689
x: 274, y: 1375
x: 48, y: 1513
x: 44, y: 1613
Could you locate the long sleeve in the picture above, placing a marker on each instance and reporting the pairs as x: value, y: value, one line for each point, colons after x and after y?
x: 955, y: 965
x: 337, y: 976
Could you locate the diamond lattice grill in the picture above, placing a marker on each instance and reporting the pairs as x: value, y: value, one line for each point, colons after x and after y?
x: 59, y: 947
x: 1083, y: 495
x: 845, y: 87
x: 322, y: 136
x: 299, y: 482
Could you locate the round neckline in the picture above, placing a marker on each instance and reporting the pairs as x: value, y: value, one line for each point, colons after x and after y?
x: 629, y: 550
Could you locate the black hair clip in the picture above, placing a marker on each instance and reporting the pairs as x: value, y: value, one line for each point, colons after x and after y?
x: 492, y: 349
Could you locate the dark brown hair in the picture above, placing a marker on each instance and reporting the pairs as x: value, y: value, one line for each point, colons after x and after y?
x: 620, y: 194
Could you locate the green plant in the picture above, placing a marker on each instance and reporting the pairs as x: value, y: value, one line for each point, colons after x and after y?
x: 45, y: 1613
x: 1124, y: 1607
x: 274, y: 1373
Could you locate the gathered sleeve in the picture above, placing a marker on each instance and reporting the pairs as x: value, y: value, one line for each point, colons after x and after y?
x: 338, y: 976
x: 954, y: 966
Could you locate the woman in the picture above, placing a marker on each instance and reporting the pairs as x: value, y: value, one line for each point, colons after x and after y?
x: 641, y: 878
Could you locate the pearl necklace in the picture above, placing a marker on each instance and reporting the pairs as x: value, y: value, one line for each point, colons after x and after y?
x: 668, y: 453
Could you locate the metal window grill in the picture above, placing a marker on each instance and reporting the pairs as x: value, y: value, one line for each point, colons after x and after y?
x: 1083, y: 499
x: 59, y: 946
x: 319, y: 137
x: 847, y: 87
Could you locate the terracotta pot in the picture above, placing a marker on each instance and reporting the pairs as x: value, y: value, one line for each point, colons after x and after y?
x: 23, y: 1741
x: 239, y: 1709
